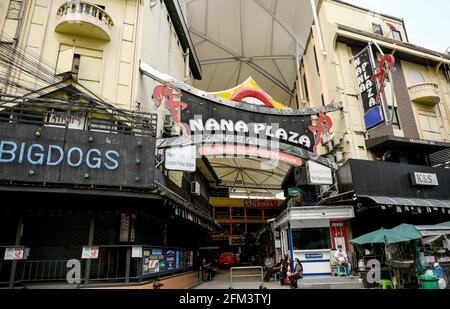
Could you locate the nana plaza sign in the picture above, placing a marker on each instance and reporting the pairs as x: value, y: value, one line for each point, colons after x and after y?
x: 33, y: 153
x: 222, y: 127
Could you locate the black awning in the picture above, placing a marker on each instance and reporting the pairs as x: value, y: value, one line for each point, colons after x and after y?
x: 402, y: 201
x: 405, y: 144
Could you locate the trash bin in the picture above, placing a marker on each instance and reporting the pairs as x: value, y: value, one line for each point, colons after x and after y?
x: 429, y: 282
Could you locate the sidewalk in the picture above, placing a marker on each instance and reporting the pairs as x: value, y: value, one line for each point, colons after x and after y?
x: 222, y: 281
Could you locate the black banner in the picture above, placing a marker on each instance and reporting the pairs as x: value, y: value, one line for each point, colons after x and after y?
x: 204, y: 116
x: 67, y: 156
x: 367, y: 87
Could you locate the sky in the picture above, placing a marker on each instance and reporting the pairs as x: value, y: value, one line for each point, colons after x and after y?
x: 427, y: 21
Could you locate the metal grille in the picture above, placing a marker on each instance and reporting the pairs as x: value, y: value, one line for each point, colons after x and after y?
x: 92, y: 115
x: 440, y: 158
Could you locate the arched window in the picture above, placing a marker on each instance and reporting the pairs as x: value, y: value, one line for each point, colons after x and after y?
x: 415, y: 77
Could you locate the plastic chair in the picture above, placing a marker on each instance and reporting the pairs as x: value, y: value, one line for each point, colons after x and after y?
x: 386, y: 284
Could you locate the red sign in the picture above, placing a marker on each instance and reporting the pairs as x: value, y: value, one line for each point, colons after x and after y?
x: 261, y: 204
x: 236, y: 240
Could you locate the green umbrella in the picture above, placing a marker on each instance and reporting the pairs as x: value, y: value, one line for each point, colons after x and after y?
x: 381, y: 236
x: 445, y: 223
x: 407, y: 230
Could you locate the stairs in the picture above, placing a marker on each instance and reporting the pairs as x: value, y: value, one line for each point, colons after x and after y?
x: 330, y: 283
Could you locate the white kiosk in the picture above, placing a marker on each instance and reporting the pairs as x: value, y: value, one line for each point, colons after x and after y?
x: 310, y: 233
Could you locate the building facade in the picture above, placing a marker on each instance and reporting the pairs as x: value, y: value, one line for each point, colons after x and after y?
x: 391, y: 132
x: 78, y: 146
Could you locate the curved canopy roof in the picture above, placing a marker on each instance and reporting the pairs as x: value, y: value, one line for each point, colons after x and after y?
x: 236, y: 39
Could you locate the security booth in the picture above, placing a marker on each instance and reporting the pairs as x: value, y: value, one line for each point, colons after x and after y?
x: 309, y: 233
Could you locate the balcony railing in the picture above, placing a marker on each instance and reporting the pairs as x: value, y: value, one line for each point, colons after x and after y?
x: 83, y: 18
x: 426, y: 93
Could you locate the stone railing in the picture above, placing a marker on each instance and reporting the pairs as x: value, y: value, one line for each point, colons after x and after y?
x: 85, y: 8
x: 425, y: 93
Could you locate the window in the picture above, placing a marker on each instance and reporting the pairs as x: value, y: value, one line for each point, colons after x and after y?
x: 395, y: 121
x: 271, y: 213
x: 377, y: 29
x: 222, y: 213
x: 305, y: 85
x: 311, y: 239
x: 75, y: 66
x: 397, y: 35
x: 254, y: 213
x: 429, y: 125
x: 316, y: 60
x: 415, y: 77
x: 237, y: 213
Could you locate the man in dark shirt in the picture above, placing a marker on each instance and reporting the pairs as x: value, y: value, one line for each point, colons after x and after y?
x: 297, y: 274
x: 275, y: 269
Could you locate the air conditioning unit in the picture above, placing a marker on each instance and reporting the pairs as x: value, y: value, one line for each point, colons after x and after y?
x: 195, y: 188
x: 339, y: 157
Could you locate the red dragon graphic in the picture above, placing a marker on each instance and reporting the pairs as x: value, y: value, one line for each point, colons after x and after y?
x: 386, y: 63
x: 323, y: 124
x: 165, y: 91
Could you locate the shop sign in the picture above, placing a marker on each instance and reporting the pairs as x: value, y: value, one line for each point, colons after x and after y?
x: 46, y: 154
x: 14, y: 254
x: 314, y: 256
x: 90, y: 253
x: 236, y: 240
x: 73, y: 121
x: 199, y: 115
x: 181, y: 159
x: 261, y: 204
x: 318, y: 174
x: 294, y: 191
x: 364, y: 65
x: 158, y: 260
x: 424, y: 179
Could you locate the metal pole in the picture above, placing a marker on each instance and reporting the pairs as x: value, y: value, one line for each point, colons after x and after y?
x: 12, y: 277
x: 291, y: 245
x: 127, y: 266
x: 90, y: 242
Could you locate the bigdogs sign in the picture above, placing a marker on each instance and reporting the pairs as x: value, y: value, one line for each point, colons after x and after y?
x: 55, y: 155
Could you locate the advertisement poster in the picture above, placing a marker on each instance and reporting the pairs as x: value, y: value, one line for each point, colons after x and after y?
x: 154, y: 261
x: 170, y: 259
x: 90, y: 253
x: 14, y: 254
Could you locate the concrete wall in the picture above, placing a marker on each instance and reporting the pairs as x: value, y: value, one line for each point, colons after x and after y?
x: 183, y: 281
